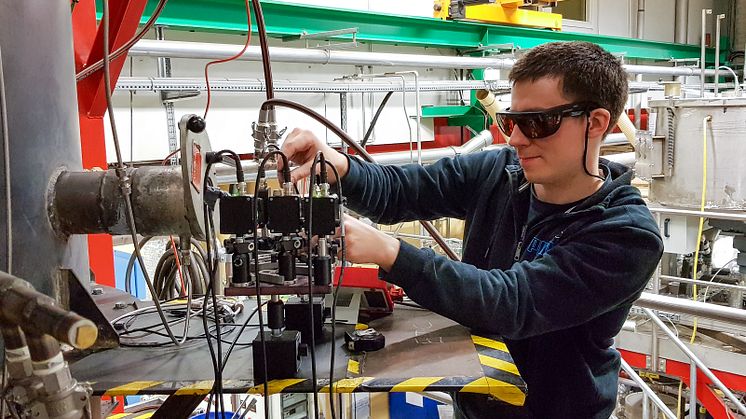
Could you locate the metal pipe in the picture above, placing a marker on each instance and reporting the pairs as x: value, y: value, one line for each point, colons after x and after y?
x: 702, y: 56
x: 418, y: 110
x: 694, y: 308
x: 17, y: 356
x: 640, y: 19
x: 681, y: 21
x: 91, y: 202
x: 203, y: 50
x: 636, y: 380
x: 668, y: 278
x: 719, y: 18
x: 709, y: 214
x: 698, y: 362
x: 226, y: 174
x: 34, y: 312
x: 693, y: 391
x: 627, y: 159
x: 735, y: 77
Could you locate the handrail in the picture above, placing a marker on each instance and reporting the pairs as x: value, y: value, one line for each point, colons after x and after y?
x: 696, y: 363
x: 647, y: 391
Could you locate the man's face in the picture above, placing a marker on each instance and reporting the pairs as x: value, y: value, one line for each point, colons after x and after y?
x: 556, y: 158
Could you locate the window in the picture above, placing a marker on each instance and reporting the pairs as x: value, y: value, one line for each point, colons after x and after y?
x: 573, y: 10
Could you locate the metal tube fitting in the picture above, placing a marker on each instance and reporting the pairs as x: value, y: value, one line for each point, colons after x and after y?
x: 36, y: 313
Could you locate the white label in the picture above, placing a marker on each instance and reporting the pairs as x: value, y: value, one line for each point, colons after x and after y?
x: 414, y: 399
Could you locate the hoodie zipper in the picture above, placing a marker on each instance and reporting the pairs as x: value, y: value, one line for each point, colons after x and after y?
x: 518, y: 248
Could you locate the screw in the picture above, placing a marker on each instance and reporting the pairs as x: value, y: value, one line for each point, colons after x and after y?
x: 97, y: 291
x: 120, y: 305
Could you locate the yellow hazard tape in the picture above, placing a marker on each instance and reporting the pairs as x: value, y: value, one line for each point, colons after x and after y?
x: 498, y: 364
x: 276, y: 386
x: 347, y: 385
x: 132, y: 388
x: 117, y: 416
x: 145, y: 416
x: 361, y: 326
x: 200, y: 387
x: 490, y: 343
x: 353, y: 366
x: 506, y: 392
x: 415, y: 385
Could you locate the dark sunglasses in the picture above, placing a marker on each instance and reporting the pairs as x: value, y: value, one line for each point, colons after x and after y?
x: 540, y: 124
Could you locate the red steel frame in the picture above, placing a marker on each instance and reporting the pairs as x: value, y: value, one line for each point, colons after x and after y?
x: 88, y: 41
x: 705, y: 394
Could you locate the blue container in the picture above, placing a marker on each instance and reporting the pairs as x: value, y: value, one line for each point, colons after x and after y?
x: 213, y: 415
x: 120, y: 270
x: 399, y: 408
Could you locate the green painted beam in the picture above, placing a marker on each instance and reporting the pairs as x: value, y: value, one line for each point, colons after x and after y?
x: 291, y: 19
x: 444, y: 111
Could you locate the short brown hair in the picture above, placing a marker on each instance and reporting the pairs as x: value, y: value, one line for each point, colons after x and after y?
x: 587, y: 73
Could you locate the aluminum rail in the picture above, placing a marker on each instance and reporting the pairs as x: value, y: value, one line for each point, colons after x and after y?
x: 732, y: 216
x: 203, y: 50
x: 696, y: 361
x: 712, y: 284
x: 694, y: 308
x: 156, y: 84
x: 647, y: 391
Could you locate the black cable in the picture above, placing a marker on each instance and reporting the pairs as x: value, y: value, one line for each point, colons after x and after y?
x: 585, y: 149
x: 218, y: 157
x: 312, y: 345
x: 257, y: 181
x: 212, y: 267
x: 266, y: 65
x: 124, y: 180
x: 217, y: 384
x: 240, y: 331
x: 337, y: 182
x: 372, y: 125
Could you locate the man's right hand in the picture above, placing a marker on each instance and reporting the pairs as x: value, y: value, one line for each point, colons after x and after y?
x: 301, y: 147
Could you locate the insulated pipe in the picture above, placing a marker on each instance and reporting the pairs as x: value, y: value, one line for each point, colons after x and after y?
x: 209, y: 51
x: 627, y: 127
x: 33, y: 312
x: 693, y: 308
x: 489, y: 102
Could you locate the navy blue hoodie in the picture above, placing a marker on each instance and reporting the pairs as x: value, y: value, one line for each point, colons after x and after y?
x: 558, y: 291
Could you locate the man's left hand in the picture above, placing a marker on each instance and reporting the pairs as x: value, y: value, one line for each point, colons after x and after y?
x: 365, y: 244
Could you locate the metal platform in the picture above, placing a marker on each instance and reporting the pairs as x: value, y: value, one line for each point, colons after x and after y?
x: 424, y: 352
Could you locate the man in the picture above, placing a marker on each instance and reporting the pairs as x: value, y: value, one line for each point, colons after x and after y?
x: 557, y: 246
